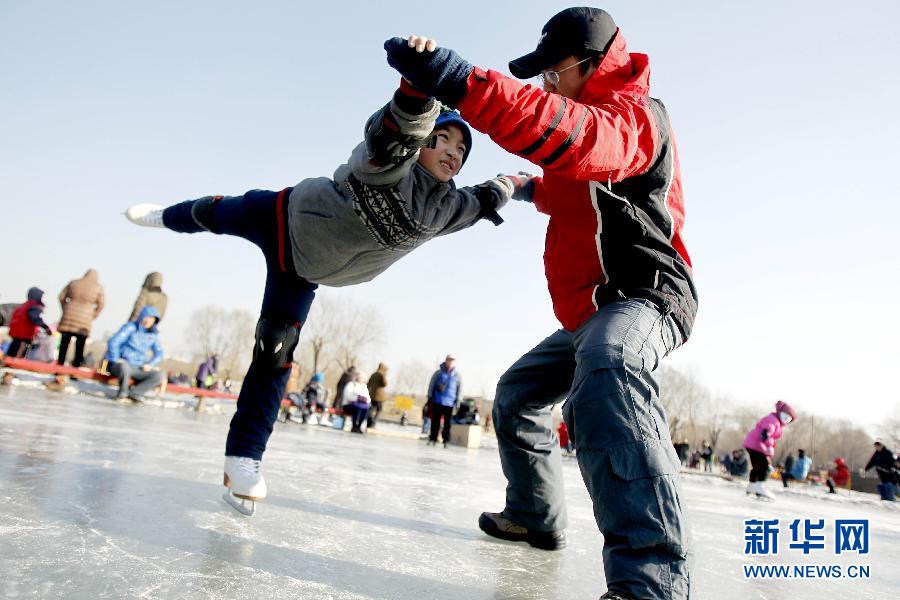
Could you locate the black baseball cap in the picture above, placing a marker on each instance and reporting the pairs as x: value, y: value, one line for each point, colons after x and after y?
x: 567, y: 33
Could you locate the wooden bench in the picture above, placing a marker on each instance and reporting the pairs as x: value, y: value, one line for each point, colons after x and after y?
x: 102, y: 375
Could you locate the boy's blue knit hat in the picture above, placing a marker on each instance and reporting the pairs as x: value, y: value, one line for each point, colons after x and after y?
x: 451, y: 117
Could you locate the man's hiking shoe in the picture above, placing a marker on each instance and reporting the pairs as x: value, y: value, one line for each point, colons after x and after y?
x: 498, y: 526
x: 615, y: 596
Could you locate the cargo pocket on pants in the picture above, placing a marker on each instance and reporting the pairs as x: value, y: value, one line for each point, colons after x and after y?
x: 646, y: 508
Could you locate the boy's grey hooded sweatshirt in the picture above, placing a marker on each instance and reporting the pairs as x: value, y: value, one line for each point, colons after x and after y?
x: 382, y: 204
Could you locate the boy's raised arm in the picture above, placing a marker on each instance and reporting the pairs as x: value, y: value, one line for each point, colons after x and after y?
x: 483, y: 201
x: 394, y: 135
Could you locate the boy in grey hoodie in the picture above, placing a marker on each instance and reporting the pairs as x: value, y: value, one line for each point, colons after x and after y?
x: 395, y: 193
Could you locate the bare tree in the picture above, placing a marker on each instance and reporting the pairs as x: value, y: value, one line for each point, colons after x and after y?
x: 890, y: 430
x: 737, y: 421
x: 356, y: 328
x: 684, y: 398
x: 226, y: 333
x: 717, y: 422
x: 849, y: 442
x: 337, y: 334
x: 825, y: 439
x: 318, y: 334
x: 411, y: 378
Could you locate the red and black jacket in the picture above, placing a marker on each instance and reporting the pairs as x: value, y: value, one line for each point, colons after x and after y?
x: 21, y: 325
x: 611, y: 185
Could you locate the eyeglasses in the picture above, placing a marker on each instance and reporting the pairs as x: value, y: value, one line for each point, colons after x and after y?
x: 552, y: 77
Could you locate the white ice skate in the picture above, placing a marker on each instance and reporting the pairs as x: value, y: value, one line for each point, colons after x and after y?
x: 751, y: 488
x: 762, y: 493
x: 245, y: 483
x: 146, y: 215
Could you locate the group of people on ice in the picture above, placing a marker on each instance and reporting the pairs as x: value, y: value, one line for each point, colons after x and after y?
x: 361, y: 401
x: 356, y: 400
x: 760, y: 445
x: 133, y: 353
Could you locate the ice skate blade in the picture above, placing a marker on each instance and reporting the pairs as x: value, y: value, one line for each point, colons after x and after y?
x: 238, y: 504
x: 227, y: 483
x: 765, y: 498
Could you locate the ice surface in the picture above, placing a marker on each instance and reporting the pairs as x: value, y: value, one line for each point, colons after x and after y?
x: 99, y: 500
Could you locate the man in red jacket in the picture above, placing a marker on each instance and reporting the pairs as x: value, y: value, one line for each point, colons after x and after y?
x: 620, y: 280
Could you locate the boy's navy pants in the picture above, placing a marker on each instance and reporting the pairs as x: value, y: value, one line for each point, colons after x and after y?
x: 260, y: 217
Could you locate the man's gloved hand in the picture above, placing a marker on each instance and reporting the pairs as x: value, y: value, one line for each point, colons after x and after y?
x: 523, y: 186
x: 441, y: 72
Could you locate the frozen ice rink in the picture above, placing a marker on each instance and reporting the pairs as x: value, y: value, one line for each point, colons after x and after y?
x: 99, y: 500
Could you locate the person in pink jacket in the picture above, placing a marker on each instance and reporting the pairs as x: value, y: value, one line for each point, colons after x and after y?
x: 760, y: 445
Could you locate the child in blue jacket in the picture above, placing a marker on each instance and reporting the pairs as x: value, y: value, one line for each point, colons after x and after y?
x: 127, y: 355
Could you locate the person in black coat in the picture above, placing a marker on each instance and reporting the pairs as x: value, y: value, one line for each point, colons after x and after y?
x: 885, y: 465
x: 883, y: 462
x: 683, y: 449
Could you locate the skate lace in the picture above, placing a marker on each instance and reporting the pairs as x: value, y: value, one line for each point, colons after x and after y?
x: 248, y: 465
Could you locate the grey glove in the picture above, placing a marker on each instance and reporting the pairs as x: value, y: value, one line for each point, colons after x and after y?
x: 522, y: 185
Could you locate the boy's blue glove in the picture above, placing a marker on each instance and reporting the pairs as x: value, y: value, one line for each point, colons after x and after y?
x: 442, y: 73
x: 523, y: 186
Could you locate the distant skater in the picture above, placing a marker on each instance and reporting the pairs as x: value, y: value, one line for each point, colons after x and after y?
x: 760, y: 446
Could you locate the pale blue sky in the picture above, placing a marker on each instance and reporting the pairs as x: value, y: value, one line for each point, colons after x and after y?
x: 783, y: 114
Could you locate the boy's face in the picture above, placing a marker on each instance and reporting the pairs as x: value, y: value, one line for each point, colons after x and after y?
x: 445, y: 159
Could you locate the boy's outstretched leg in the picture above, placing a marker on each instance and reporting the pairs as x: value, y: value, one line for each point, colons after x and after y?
x: 260, y: 217
x: 286, y: 303
x: 243, y: 216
